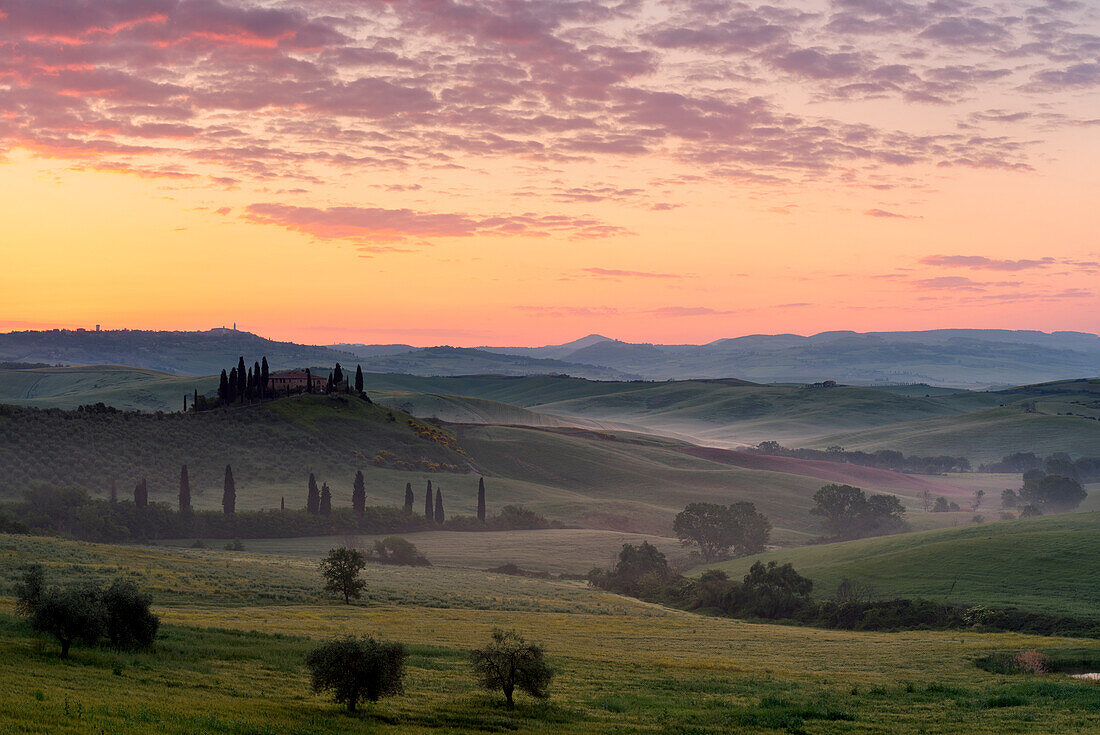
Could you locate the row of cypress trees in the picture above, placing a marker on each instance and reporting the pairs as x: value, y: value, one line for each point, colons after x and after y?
x: 240, y: 384
x: 318, y: 499
x: 229, y: 492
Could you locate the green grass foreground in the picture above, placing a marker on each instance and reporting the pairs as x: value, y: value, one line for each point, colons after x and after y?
x: 237, y: 626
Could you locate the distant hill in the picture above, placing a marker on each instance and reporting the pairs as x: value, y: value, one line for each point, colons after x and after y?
x: 952, y: 357
x: 179, y: 353
x: 967, y: 358
x: 1050, y: 564
x: 467, y: 361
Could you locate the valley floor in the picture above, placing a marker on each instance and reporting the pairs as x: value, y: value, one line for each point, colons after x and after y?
x: 237, y: 625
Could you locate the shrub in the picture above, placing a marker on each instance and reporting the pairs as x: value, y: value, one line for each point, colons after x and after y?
x: 1031, y: 661
x: 357, y: 668
x: 129, y: 621
x: 396, y: 550
x: 508, y: 662
x: 87, y: 612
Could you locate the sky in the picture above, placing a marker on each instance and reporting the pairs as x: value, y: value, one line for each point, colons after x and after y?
x: 523, y: 173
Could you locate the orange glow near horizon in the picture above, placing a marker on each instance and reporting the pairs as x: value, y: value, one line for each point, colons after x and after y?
x: 598, y: 175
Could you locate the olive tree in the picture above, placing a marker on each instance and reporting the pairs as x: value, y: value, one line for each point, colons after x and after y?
x: 352, y: 669
x: 341, y: 572
x: 718, y: 529
x: 508, y: 662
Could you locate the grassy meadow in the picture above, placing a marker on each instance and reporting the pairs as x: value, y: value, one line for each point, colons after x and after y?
x: 1048, y: 564
x: 125, y: 388
x: 237, y: 625
x: 556, y: 551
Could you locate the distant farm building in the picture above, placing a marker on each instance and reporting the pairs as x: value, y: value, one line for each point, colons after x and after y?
x: 295, y: 381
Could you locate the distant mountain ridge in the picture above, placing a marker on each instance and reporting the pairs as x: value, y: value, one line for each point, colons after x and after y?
x: 952, y: 357
x: 968, y: 358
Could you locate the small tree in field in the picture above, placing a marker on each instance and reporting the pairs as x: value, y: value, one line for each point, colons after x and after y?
x: 359, y: 494
x: 72, y: 614
x: 229, y: 492
x: 440, y: 516
x: 313, y: 499
x: 717, y: 529
x: 481, y: 499
x: 509, y: 662
x: 409, y: 499
x: 325, y: 506
x: 357, y: 668
x: 341, y: 572
x: 185, y: 491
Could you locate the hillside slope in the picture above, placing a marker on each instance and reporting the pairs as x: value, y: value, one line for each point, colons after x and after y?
x: 126, y: 388
x: 180, y: 353
x: 597, y: 479
x: 1049, y: 564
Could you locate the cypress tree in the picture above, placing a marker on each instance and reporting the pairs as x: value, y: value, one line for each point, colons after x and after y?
x: 338, y: 375
x: 114, y: 491
x: 330, y: 386
x: 250, y: 384
x: 429, y: 508
x: 264, y: 375
x: 359, y: 494
x: 229, y: 493
x: 313, y: 500
x: 185, y: 491
x: 256, y: 376
x: 223, y: 388
x: 439, y: 507
x: 358, y: 378
x: 409, y: 498
x: 231, y: 387
x: 195, y: 401
x: 282, y: 503
x: 309, y: 381
x: 325, y: 506
x: 141, y: 494
x: 241, y: 377
x: 481, y: 499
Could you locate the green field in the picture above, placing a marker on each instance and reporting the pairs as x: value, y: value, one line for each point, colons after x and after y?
x: 983, y: 436
x: 125, y: 388
x: 237, y: 625
x: 595, y: 479
x: 557, y: 551
x: 1049, y: 564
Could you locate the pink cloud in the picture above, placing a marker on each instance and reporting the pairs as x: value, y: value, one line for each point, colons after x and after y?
x: 378, y: 225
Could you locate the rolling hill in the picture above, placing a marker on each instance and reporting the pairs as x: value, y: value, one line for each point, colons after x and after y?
x: 597, y: 479
x: 179, y: 353
x: 1049, y: 564
x: 125, y: 388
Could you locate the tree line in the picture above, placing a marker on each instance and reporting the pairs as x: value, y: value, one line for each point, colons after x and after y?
x: 886, y: 459
x: 1082, y: 469
x: 777, y: 592
x: 73, y: 512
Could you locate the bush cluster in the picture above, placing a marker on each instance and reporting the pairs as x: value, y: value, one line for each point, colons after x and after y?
x: 778, y: 592
x: 87, y: 612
